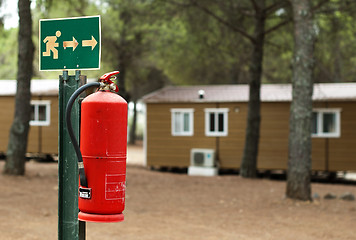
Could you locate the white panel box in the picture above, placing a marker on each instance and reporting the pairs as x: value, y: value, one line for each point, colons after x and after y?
x: 201, y: 157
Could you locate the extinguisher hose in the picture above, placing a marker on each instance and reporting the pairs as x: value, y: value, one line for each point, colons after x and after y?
x: 82, y: 177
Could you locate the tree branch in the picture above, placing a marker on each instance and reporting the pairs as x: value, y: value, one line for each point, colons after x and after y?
x: 332, y: 10
x: 281, y: 24
x: 179, y: 4
x: 275, y: 6
x: 223, y: 21
x: 319, y: 5
x: 255, y: 6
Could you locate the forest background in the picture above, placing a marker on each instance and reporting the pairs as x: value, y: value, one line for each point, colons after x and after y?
x: 158, y: 42
x: 174, y: 42
x: 155, y: 43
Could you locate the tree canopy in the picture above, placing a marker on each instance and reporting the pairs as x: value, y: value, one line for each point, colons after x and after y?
x: 190, y: 47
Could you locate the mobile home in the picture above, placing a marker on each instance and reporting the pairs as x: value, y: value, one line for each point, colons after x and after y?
x: 184, y: 119
x: 43, y: 135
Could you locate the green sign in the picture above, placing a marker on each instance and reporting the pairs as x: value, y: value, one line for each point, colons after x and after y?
x: 70, y: 43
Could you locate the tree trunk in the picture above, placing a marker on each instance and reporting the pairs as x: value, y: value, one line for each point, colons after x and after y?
x: 299, y: 162
x: 133, y: 124
x: 248, y: 166
x: 336, y: 43
x: 121, y: 82
x: 15, y: 163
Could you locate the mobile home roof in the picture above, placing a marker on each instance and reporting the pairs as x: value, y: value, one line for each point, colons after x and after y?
x: 45, y: 87
x: 39, y: 87
x: 240, y: 93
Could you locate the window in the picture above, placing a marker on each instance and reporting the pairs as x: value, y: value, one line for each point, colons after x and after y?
x: 326, y: 122
x: 182, y: 121
x: 40, y: 113
x: 216, y: 121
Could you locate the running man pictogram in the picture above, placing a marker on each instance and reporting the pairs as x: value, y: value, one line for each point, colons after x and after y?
x: 51, y: 44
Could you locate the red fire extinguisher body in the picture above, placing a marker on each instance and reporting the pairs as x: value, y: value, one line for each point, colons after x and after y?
x: 103, y: 143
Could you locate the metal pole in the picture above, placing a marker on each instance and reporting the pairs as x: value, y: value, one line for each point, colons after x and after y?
x: 82, y: 228
x: 83, y: 80
x: 68, y: 224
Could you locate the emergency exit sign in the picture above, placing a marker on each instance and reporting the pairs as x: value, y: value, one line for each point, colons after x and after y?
x: 70, y: 43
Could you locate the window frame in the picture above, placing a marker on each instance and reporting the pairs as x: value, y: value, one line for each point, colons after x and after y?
x: 216, y: 112
x: 182, y: 111
x: 36, y: 121
x: 319, y: 131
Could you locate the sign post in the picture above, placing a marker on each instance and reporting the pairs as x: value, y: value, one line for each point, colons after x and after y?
x: 68, y: 225
x: 69, y: 44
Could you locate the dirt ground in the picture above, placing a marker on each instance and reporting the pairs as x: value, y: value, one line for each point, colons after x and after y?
x: 163, y: 205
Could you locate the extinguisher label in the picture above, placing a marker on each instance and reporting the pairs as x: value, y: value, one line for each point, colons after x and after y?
x: 85, y: 193
x: 115, y: 186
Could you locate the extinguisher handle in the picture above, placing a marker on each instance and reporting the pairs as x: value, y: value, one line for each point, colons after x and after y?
x: 109, y: 77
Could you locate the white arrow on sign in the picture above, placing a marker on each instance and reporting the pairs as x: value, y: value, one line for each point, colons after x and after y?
x: 73, y: 44
x: 90, y: 43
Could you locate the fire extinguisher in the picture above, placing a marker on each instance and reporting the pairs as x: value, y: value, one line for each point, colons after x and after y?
x: 102, y: 152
